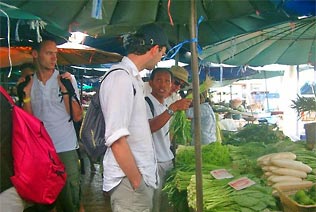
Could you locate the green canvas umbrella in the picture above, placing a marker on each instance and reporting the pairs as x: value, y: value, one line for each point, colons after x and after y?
x: 290, y: 43
x: 24, y: 24
x: 222, y: 18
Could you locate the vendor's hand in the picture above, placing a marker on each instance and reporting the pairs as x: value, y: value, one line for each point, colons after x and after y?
x: 181, y: 104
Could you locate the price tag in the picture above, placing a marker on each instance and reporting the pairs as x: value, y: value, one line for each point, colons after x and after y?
x: 221, y: 174
x: 241, y: 183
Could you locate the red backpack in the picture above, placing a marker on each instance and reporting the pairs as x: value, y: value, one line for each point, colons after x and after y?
x: 39, y: 174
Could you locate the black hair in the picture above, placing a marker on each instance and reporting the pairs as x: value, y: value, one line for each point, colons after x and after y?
x: 37, y: 46
x: 159, y: 70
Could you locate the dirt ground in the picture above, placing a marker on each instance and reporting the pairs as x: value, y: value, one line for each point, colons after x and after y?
x: 93, y: 198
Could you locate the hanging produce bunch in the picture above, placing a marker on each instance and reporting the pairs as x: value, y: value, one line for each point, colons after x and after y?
x: 180, y: 128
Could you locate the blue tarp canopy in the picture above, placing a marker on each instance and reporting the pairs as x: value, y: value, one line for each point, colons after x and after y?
x: 308, y: 88
x: 227, y: 73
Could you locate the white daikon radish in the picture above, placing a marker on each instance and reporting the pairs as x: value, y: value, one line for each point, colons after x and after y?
x: 265, y: 158
x: 283, y: 155
x: 289, y: 172
x: 277, y: 179
x: 278, y: 155
x: 265, y: 168
x: 264, y: 163
x: 271, y: 168
x: 292, y: 164
x: 289, y: 185
x: 268, y: 174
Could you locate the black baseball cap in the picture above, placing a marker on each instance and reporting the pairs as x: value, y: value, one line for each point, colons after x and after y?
x: 152, y: 34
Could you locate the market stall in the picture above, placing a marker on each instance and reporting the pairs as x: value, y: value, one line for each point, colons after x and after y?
x: 241, y: 174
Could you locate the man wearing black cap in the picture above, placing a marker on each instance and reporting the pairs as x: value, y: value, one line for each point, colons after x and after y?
x: 130, y: 167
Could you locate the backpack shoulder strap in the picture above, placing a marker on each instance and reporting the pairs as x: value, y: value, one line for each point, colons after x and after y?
x: 134, y: 90
x: 151, y: 105
x: 110, y: 73
x: 72, y: 94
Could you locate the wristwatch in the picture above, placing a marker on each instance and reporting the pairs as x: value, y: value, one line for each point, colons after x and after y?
x: 170, y: 112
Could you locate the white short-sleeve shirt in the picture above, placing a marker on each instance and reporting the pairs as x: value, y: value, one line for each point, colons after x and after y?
x: 161, y: 137
x: 48, y: 107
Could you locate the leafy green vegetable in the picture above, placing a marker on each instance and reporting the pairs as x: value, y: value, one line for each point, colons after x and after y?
x: 246, y: 201
x: 180, y: 128
x: 304, y: 104
x: 214, y: 153
x: 261, y: 133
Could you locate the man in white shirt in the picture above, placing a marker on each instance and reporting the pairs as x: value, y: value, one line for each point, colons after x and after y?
x: 159, y: 115
x: 130, y: 164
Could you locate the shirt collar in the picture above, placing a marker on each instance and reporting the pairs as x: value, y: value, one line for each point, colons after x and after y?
x: 156, y: 100
x: 133, y: 69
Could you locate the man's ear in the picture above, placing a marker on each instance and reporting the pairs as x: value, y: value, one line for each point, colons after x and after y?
x: 34, y: 54
x: 150, y: 82
x: 154, y: 49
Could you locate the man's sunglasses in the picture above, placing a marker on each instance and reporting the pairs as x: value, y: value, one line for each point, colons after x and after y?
x: 179, y: 83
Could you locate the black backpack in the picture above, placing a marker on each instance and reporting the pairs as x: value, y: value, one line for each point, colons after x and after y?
x: 93, y: 127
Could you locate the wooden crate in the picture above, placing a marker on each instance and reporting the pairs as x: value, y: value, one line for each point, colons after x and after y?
x: 289, y: 205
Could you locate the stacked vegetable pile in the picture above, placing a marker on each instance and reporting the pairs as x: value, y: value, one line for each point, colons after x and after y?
x: 282, y: 170
x: 303, y: 155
